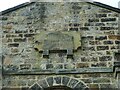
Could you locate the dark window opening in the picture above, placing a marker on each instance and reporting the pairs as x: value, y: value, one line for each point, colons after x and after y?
x: 58, y: 88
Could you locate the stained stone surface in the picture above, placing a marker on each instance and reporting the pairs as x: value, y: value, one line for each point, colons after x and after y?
x: 61, y: 40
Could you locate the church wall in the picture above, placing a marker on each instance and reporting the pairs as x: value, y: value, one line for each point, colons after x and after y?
x: 92, y: 63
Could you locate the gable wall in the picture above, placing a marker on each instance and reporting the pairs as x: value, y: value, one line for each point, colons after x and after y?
x: 98, y: 28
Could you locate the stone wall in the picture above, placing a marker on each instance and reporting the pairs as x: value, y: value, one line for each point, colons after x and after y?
x: 92, y: 63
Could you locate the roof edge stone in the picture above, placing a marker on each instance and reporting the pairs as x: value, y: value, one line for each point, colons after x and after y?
x: 61, y: 1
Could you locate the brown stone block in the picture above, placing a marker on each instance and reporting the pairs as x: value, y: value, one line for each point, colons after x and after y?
x: 7, y: 60
x: 82, y: 65
x: 109, y: 32
x: 114, y: 47
x: 19, y: 39
x: 108, y: 19
x: 91, y: 75
x: 102, y: 48
x: 101, y: 80
x: 11, y: 35
x: 95, y: 43
x: 93, y: 87
x: 30, y: 39
x: 25, y: 66
x: 101, y: 38
x: 28, y: 35
x: 87, y: 80
x: 114, y: 37
x: 14, y: 50
x: 9, y: 27
x: 13, y: 45
x: 105, y: 58
x: 108, y: 75
x: 99, y: 64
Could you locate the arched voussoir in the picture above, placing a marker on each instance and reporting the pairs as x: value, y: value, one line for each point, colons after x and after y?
x: 60, y: 81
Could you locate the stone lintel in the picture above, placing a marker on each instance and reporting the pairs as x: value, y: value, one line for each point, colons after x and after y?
x: 67, y: 71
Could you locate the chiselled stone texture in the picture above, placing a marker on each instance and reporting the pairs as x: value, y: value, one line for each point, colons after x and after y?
x: 57, y: 81
x: 80, y: 46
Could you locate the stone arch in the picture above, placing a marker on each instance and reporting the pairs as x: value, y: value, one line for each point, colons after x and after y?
x: 63, y: 81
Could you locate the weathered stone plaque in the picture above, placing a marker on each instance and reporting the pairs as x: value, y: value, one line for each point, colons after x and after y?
x: 57, y: 41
